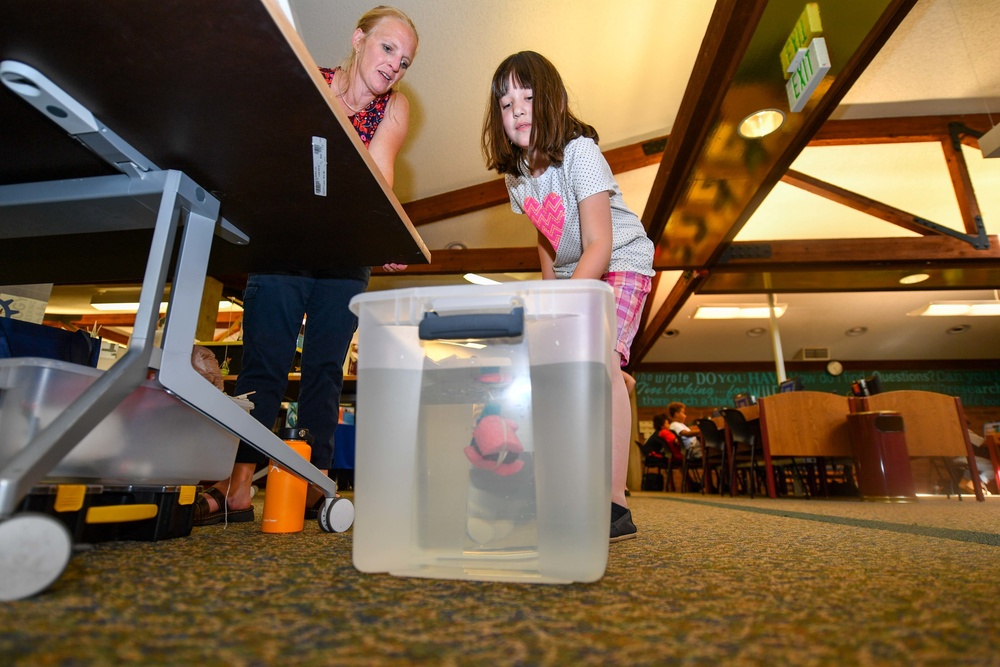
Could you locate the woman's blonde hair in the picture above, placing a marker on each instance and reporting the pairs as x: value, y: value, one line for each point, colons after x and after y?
x: 553, y: 125
x: 368, y: 22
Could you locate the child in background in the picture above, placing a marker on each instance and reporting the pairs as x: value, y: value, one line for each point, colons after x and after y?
x: 555, y: 173
x: 688, y: 436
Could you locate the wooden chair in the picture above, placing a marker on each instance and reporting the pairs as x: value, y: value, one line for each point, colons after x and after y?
x: 803, y: 424
x: 653, y: 458
x: 673, y: 460
x: 713, y: 444
x: 934, y: 425
x: 993, y: 447
x: 743, y: 438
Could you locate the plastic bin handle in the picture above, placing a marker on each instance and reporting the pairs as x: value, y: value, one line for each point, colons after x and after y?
x: 479, y: 325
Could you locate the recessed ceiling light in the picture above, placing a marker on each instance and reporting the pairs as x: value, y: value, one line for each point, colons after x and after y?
x: 756, y: 331
x: 671, y: 333
x: 761, y: 123
x: 856, y: 331
x: 913, y: 278
x: 960, y: 329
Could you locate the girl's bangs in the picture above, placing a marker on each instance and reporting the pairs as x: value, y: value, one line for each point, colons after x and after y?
x: 511, y: 73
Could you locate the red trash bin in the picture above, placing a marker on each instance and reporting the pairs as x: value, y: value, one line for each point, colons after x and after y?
x: 882, y: 461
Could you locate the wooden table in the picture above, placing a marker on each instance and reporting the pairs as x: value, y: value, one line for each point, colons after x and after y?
x: 224, y: 91
x: 804, y: 424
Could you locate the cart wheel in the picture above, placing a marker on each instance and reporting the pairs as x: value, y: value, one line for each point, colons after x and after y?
x: 337, y: 515
x: 34, y: 551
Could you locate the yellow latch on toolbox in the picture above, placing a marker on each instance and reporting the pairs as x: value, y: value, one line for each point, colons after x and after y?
x: 186, y: 495
x: 69, y: 497
x: 121, y: 513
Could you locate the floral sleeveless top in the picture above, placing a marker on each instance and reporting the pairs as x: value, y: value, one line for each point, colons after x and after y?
x: 365, y: 121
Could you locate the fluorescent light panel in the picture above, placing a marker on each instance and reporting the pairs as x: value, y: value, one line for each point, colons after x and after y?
x: 133, y: 306
x: 477, y: 279
x: 738, y: 312
x: 958, y: 309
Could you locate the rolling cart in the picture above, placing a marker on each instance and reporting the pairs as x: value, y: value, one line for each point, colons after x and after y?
x: 80, y: 202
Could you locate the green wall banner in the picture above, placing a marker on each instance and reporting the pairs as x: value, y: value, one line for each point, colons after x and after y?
x: 717, y: 388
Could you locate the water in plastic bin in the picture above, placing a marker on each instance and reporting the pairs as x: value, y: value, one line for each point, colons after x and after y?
x: 482, y: 469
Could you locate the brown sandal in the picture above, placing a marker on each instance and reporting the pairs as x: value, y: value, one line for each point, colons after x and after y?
x: 203, y: 516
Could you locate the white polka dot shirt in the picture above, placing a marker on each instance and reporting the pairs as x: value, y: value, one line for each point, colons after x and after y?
x: 551, y: 202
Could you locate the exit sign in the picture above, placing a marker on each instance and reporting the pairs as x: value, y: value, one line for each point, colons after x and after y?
x: 804, y: 58
x: 808, y: 27
x: 813, y: 66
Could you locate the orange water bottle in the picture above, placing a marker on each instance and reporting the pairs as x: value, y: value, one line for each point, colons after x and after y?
x: 285, y: 495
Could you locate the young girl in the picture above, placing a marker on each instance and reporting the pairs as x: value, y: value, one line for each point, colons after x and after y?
x: 555, y: 173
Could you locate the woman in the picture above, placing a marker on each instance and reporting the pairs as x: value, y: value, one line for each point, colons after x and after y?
x: 383, y: 47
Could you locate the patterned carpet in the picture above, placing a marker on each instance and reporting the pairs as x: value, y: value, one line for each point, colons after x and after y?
x: 708, y: 582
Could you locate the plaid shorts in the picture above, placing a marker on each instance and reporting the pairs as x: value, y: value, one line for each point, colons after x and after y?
x: 630, y: 294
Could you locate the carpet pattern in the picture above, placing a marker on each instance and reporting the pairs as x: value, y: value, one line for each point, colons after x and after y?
x: 708, y: 581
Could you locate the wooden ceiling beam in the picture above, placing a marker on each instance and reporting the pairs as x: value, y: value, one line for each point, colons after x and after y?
x: 855, y: 253
x: 457, y: 202
x: 961, y: 180
x: 755, y: 256
x: 900, y: 130
x: 683, y: 289
x: 857, y: 202
x: 649, y: 152
x: 476, y: 260
x: 730, y: 31
x: 494, y: 193
x: 884, y: 278
x: 703, y: 121
x: 767, y: 161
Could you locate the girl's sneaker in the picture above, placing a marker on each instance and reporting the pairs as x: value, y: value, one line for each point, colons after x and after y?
x: 622, y: 527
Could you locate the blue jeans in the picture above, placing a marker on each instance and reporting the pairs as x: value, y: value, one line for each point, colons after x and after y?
x: 273, y: 308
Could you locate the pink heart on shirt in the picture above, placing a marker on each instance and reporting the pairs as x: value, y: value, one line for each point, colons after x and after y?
x: 549, y: 217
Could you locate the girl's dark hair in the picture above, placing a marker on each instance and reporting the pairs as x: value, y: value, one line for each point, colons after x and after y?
x: 553, y: 125
x: 659, y: 421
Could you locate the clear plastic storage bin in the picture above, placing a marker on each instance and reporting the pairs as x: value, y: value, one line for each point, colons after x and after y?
x: 484, y: 431
x: 150, y: 438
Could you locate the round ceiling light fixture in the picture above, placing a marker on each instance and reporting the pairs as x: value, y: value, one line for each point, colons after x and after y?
x: 756, y: 332
x: 671, y: 333
x: 761, y: 123
x: 856, y: 331
x: 960, y: 329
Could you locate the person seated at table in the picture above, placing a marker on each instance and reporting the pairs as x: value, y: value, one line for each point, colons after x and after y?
x: 656, y: 447
x: 688, y: 436
x: 983, y: 464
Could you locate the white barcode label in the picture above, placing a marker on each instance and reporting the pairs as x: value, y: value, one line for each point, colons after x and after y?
x: 319, y: 166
